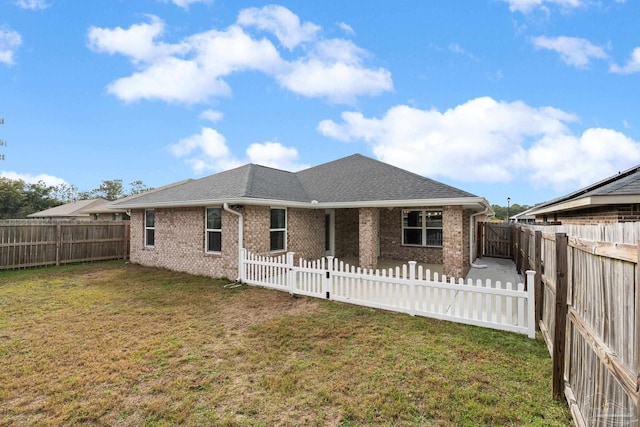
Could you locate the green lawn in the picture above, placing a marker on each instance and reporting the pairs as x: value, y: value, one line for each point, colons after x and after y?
x: 118, y: 344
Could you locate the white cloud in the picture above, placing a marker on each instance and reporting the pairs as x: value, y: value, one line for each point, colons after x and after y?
x: 211, y: 115
x: 573, y: 50
x: 138, y: 42
x: 280, y: 21
x: 275, y: 155
x: 346, y: 28
x: 526, y: 6
x: 9, y: 41
x: 632, y: 65
x: 208, y: 152
x: 194, y: 69
x: 186, y: 3
x: 32, y: 4
x: 570, y: 161
x: 49, y: 180
x: 489, y: 141
x: 334, y: 69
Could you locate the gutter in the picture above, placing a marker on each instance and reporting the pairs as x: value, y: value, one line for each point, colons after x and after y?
x: 468, y: 202
x: 226, y: 207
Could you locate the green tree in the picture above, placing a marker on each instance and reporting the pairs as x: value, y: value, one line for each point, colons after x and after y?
x: 137, y: 187
x: 19, y: 199
x: 110, y: 189
x: 11, y: 197
x: 501, y: 211
x: 38, y: 197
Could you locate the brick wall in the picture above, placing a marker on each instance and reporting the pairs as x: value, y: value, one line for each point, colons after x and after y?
x: 598, y: 215
x: 455, y: 241
x: 257, y: 221
x: 180, y: 240
x: 391, y: 240
x: 368, y: 231
x: 306, y: 232
x: 346, y: 228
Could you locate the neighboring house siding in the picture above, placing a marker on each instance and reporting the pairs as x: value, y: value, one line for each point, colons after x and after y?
x: 179, y: 243
x: 391, y: 240
x: 597, y: 215
x: 306, y: 233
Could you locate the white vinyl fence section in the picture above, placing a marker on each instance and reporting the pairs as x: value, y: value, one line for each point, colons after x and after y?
x: 409, y: 289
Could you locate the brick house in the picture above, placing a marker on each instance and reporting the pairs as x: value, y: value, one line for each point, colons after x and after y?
x: 352, y: 207
x: 612, y: 200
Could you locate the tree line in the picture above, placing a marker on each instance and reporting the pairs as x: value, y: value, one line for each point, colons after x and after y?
x: 502, y: 212
x: 19, y: 198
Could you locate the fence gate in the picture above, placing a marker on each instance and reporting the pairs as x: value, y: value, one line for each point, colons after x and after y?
x: 497, y: 240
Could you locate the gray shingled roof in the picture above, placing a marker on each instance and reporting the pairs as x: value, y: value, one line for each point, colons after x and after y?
x: 625, y: 183
x: 359, y: 178
x: 350, y: 179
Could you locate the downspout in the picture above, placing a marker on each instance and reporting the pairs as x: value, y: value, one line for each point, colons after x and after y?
x: 471, y: 231
x: 226, y: 207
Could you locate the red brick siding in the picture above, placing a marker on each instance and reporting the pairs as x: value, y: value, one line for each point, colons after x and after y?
x: 391, y: 240
x: 368, y: 234
x: 179, y: 243
x: 305, y: 232
x: 346, y: 229
x: 455, y: 241
x: 597, y: 215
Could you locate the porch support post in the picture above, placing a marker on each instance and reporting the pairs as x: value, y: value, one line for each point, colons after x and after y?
x: 455, y: 238
x: 368, y: 239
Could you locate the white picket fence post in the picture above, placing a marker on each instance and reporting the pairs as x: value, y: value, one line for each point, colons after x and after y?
x: 328, y: 279
x: 531, y: 316
x: 291, y: 272
x: 412, y: 288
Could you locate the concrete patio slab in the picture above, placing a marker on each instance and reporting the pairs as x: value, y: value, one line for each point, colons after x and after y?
x: 495, y: 269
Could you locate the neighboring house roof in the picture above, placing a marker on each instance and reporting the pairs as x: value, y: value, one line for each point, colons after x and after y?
x: 524, y: 215
x: 353, y: 181
x: 621, y: 188
x: 81, y: 208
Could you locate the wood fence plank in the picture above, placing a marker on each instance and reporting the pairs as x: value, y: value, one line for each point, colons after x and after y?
x: 559, y: 342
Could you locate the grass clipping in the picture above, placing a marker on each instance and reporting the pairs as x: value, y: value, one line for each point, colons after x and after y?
x: 116, y: 344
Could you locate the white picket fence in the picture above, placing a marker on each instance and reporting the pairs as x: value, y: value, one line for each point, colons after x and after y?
x: 411, y: 290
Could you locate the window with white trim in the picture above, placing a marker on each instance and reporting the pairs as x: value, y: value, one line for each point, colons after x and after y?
x: 213, y: 230
x: 278, y: 230
x: 422, y: 227
x: 149, y: 228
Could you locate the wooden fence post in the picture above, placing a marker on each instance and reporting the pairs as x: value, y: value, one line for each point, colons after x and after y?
x: 525, y: 250
x: 537, y: 266
x: 637, y: 331
x: 559, y: 339
x: 58, y: 242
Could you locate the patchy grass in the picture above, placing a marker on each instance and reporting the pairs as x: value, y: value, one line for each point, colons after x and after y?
x: 117, y: 344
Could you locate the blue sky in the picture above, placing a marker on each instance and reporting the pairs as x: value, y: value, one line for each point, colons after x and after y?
x: 527, y: 99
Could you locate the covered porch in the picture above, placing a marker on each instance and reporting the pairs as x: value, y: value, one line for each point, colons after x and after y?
x: 438, y: 238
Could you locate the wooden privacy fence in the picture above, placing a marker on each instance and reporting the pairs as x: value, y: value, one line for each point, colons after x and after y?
x: 411, y: 290
x: 31, y: 243
x: 588, y: 308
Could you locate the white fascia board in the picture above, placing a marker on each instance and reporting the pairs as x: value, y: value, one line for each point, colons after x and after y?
x: 586, y: 202
x: 477, y: 203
